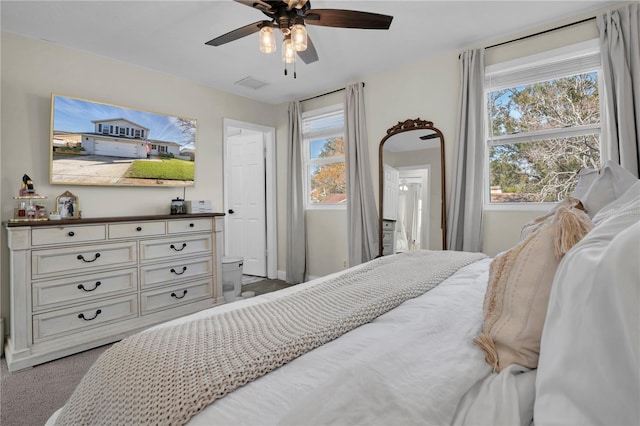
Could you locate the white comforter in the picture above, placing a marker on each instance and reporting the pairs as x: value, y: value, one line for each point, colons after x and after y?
x: 411, y: 365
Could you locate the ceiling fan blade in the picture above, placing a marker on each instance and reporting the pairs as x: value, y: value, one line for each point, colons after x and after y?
x: 347, y: 19
x: 238, y: 33
x: 256, y: 4
x: 429, y: 136
x: 309, y: 55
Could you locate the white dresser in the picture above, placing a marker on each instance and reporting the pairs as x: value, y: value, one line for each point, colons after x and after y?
x: 78, y: 284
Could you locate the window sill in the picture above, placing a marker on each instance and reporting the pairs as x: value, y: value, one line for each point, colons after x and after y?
x: 519, y: 207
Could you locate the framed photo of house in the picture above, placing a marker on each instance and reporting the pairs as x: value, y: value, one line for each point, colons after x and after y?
x: 94, y: 143
x: 67, y: 206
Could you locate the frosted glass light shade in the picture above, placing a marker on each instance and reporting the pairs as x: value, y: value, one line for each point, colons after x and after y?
x: 288, y: 52
x: 299, y: 37
x: 267, y: 40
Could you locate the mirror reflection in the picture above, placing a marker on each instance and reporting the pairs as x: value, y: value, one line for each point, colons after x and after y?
x: 412, y: 188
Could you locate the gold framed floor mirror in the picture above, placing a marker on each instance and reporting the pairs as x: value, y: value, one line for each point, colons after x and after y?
x: 411, y: 178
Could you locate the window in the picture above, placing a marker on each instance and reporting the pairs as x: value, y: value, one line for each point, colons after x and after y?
x: 543, y: 124
x: 323, y: 150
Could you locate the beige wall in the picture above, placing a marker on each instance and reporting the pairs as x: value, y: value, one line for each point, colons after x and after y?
x: 427, y: 89
x: 32, y: 70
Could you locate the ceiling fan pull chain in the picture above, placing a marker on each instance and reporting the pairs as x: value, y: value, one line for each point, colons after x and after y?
x: 294, y: 68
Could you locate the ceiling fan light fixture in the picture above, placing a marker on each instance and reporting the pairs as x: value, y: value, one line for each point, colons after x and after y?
x: 298, y: 4
x: 267, y: 40
x: 299, y: 37
x: 288, y: 52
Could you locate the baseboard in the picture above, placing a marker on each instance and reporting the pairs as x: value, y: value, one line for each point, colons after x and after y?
x: 282, y: 275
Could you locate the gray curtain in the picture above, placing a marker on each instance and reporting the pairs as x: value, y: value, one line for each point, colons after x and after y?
x: 296, y: 227
x: 465, y: 207
x: 619, y: 48
x: 362, y: 222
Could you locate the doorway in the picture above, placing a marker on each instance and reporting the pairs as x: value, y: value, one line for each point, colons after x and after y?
x: 414, y: 208
x: 250, y: 196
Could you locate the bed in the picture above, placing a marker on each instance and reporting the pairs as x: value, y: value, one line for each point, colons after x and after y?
x: 411, y: 354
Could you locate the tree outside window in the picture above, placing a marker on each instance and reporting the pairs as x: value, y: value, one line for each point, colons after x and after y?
x: 323, y: 138
x: 328, y: 179
x: 540, y: 135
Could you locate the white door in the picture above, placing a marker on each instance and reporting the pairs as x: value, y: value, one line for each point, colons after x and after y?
x: 246, y: 210
x: 390, y: 188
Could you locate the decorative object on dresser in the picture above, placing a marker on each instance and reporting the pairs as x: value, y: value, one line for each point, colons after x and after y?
x: 30, y: 206
x: 82, y: 283
x: 199, y: 206
x: 67, y: 206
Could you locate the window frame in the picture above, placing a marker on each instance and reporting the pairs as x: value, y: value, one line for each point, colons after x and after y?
x: 306, y: 138
x: 563, y: 62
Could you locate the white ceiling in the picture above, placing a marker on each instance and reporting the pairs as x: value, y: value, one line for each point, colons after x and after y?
x: 169, y: 36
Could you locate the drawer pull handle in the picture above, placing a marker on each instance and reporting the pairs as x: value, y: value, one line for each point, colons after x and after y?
x: 139, y: 228
x: 178, y: 249
x: 81, y: 257
x: 71, y: 233
x: 184, y: 269
x: 191, y: 225
x: 81, y: 287
x: 184, y: 293
x: 98, y: 312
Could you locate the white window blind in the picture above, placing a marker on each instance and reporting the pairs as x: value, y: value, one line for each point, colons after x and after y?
x: 545, y: 66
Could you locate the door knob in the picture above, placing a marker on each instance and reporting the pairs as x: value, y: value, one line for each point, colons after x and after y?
x: 231, y: 211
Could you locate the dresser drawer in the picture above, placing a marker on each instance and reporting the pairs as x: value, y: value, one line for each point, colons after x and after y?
x: 176, y: 295
x: 167, y: 248
x: 136, y: 229
x: 179, y: 270
x: 67, y: 234
x: 388, y: 225
x: 387, y: 236
x: 86, y: 258
x: 47, y: 294
x: 189, y: 225
x: 91, y: 315
x: 387, y: 249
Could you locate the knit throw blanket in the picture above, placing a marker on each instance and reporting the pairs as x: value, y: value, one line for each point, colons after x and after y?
x: 165, y: 376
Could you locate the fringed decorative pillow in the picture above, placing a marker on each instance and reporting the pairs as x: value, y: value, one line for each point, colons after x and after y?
x: 537, y: 222
x: 515, y: 303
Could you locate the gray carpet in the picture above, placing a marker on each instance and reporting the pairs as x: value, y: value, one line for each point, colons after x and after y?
x: 31, y: 396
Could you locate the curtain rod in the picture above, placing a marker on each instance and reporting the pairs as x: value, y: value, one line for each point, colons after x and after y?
x: 542, y: 32
x: 325, y: 94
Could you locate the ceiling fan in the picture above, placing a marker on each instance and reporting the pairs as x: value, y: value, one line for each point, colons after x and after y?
x: 291, y: 17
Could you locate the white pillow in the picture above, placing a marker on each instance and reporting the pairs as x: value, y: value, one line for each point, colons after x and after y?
x: 622, y: 203
x: 589, y: 365
x: 612, y: 181
x: 586, y: 176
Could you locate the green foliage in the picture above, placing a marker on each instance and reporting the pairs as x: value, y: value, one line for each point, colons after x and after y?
x: 545, y: 169
x: 70, y: 149
x: 170, y: 169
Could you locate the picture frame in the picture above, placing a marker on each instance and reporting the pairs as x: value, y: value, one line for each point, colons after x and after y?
x: 67, y: 206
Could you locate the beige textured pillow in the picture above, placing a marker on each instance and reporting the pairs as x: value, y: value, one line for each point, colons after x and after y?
x: 568, y: 201
x: 515, y: 303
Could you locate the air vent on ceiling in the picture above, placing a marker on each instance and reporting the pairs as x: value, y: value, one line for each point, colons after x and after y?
x: 251, y: 83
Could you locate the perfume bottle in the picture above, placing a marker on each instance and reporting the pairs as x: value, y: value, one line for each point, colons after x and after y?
x: 31, y: 212
x: 21, y: 212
